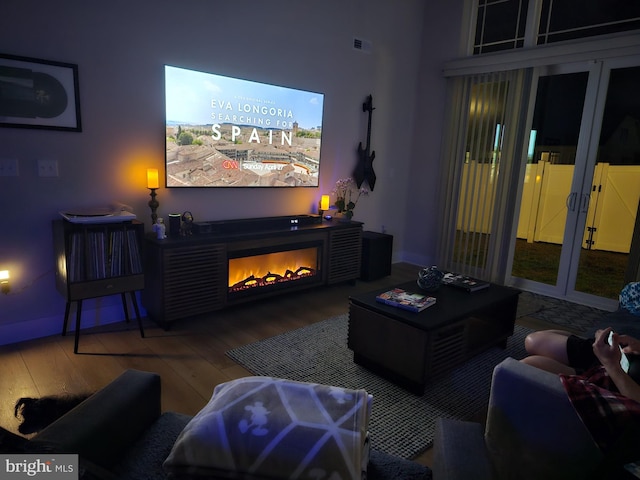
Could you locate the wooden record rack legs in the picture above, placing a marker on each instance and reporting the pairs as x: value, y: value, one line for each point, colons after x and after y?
x: 67, y: 310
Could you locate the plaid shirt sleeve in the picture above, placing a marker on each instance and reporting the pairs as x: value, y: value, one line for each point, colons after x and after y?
x: 604, y: 411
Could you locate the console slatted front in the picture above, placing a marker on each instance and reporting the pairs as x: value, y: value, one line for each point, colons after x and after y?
x: 195, y: 280
x: 345, y: 251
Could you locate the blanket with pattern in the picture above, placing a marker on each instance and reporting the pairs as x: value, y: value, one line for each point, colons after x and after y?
x: 264, y: 427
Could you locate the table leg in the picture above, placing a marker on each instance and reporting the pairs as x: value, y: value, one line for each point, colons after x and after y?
x: 124, y: 306
x: 67, y: 309
x: 78, y: 317
x: 135, y: 307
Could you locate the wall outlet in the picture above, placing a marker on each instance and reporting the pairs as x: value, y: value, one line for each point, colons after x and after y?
x: 9, y: 167
x: 47, y: 168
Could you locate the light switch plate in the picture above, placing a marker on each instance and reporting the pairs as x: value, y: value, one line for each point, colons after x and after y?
x: 47, y: 168
x: 9, y: 167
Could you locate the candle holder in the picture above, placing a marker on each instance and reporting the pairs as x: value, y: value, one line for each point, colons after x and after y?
x: 152, y: 185
x: 153, y: 204
x: 4, y: 282
x: 323, y: 204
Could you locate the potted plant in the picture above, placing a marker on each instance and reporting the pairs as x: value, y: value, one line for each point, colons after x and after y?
x: 347, y: 195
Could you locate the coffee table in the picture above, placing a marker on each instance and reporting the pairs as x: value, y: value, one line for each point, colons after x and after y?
x: 409, y: 348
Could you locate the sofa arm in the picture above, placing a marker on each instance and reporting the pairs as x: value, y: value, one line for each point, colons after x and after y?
x: 459, y: 451
x: 102, y: 427
x: 532, y: 429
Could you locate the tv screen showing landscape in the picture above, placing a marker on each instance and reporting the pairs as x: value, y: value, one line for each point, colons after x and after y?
x: 228, y: 132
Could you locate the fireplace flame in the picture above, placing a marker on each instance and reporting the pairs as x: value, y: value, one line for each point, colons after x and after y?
x: 272, y: 268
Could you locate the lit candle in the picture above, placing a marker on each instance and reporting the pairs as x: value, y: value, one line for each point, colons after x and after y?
x: 324, y: 202
x: 152, y: 178
x: 4, y: 281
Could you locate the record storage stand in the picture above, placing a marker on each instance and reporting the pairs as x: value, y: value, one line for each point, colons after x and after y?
x: 96, y: 260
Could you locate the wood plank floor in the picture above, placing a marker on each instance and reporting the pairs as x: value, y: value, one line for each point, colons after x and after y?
x: 190, y: 356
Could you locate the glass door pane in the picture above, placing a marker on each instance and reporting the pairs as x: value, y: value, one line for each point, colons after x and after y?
x: 615, y: 190
x: 548, y: 194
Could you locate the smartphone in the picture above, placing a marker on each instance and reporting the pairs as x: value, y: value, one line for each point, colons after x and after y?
x: 624, y: 361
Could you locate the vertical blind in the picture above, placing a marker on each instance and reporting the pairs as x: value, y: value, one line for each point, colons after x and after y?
x: 481, y: 158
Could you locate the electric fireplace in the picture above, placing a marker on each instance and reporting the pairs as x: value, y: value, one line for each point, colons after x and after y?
x: 265, y: 269
x: 229, y: 262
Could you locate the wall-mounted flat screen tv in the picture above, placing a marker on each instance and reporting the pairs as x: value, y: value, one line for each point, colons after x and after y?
x: 229, y: 132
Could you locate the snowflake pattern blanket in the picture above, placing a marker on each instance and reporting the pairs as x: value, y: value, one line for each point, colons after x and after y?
x: 264, y: 427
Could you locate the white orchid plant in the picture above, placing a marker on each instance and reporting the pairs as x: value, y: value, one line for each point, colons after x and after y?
x: 347, y: 195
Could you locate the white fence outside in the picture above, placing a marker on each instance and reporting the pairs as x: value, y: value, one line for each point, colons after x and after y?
x: 612, y: 204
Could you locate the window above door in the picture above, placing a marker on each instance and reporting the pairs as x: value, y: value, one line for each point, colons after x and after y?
x: 510, y: 24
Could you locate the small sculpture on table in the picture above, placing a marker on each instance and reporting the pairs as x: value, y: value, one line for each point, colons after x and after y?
x: 430, y: 278
x: 186, y: 229
x: 160, y: 229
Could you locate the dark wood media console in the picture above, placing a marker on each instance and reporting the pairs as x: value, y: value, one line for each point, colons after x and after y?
x: 187, y: 276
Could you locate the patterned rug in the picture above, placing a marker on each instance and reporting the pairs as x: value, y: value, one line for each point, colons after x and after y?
x: 401, y: 423
x: 566, y: 315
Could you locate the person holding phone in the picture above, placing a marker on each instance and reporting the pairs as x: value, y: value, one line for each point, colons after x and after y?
x: 559, y: 351
x: 604, y: 395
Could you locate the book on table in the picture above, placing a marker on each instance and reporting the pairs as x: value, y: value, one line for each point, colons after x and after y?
x: 465, y: 282
x: 414, y: 302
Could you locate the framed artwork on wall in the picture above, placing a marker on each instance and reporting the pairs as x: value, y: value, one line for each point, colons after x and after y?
x: 38, y: 93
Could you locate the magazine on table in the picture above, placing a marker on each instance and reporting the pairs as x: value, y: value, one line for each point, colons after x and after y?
x: 465, y: 282
x: 414, y: 302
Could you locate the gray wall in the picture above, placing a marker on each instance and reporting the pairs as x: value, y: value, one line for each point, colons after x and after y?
x: 121, y: 47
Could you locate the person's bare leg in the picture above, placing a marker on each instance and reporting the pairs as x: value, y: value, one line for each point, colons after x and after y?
x: 548, y: 343
x: 548, y: 364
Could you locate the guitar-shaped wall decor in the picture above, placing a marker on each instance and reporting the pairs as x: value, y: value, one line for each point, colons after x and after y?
x: 364, y: 167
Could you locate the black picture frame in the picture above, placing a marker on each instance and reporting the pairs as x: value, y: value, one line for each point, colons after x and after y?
x: 37, y: 93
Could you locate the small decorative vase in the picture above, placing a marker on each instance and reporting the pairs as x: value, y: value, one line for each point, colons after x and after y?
x: 430, y: 278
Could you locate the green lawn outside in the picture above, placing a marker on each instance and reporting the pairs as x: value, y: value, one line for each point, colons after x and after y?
x: 599, y: 273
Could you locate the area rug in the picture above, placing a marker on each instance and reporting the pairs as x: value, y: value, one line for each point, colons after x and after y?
x: 401, y: 423
x: 579, y: 319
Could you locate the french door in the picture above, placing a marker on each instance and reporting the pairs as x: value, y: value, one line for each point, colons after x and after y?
x: 580, y: 189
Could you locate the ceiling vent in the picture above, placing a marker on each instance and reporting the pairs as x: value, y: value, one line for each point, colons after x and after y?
x: 362, y: 45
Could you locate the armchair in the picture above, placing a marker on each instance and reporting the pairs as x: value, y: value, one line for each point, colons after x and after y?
x: 531, y: 432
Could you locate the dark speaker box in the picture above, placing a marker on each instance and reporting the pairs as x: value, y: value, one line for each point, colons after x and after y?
x: 175, y: 220
x: 377, y: 249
